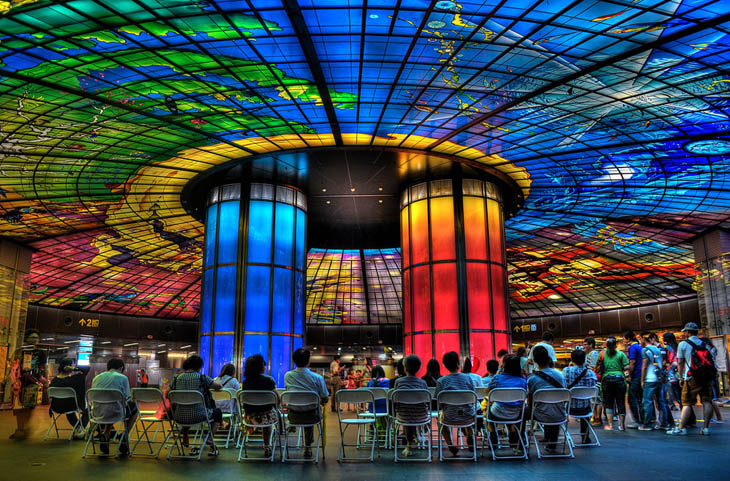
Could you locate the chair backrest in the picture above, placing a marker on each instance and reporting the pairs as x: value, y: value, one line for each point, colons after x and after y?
x: 63, y: 393
x: 584, y: 393
x: 98, y: 397
x: 411, y: 396
x: 299, y: 398
x: 147, y: 395
x: 551, y: 396
x: 222, y: 395
x: 186, y: 398
x: 481, y: 392
x: 457, y: 397
x: 104, y: 396
x: 355, y: 396
x: 378, y: 392
x: 432, y: 390
x: 257, y: 398
x: 279, y: 391
x: 506, y: 395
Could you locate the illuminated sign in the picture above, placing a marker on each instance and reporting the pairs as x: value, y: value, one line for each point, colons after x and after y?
x: 89, y: 322
x: 526, y: 328
x: 85, y: 349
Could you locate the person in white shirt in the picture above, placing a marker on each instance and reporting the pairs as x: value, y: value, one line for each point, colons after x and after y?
x: 113, y: 378
x: 547, y: 343
x: 302, y: 379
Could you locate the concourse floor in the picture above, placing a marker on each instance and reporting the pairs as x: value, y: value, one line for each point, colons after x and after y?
x: 630, y: 455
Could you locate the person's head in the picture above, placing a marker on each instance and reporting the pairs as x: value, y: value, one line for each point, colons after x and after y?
x: 501, y: 353
x: 611, y: 344
x: 337, y: 357
x: 141, y: 369
x: 691, y: 329
x: 645, y: 338
x: 492, y: 366
x: 654, y: 338
x: 578, y: 356
x: 378, y: 372
x: 433, y: 369
x: 540, y: 356
x: 547, y: 337
x: 521, y: 351
x: 66, y: 365
x: 630, y: 336
x: 115, y: 365
x: 399, y: 368
x: 670, y: 340
x: 301, y: 357
x: 31, y: 337
x: 451, y: 361
x: 195, y: 363
x: 511, y: 365
x: 255, y: 366
x: 358, y: 373
x: 589, y: 344
x: 466, y: 368
x: 228, y: 370
x: 411, y: 364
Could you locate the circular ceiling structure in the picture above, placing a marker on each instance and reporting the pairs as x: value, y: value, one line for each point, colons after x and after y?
x: 610, y: 117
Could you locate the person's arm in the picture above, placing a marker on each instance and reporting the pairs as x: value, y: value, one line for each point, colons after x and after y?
x: 644, y: 368
x: 216, y: 386
x: 681, y: 365
x: 323, y: 392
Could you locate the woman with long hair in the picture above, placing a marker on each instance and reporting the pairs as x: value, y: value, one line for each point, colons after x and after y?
x: 611, y: 366
x: 227, y: 379
x: 27, y: 376
x: 256, y: 380
x: 674, y: 390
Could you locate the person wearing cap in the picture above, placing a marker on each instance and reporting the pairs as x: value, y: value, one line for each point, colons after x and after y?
x: 691, y: 388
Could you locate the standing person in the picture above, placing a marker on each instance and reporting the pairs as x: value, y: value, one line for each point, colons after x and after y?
x: 522, y: 354
x: 696, y: 372
x: 592, y: 355
x: 114, y: 378
x: 675, y: 391
x: 546, y: 377
x: 635, y: 390
x: 476, y: 378
x: 227, y: 380
x: 408, y: 413
x: 666, y: 420
x: 256, y: 380
x: 335, y: 380
x: 547, y: 343
x: 142, y: 378
x: 611, y: 366
x: 652, y: 379
x: 27, y: 375
x: 302, y: 379
x: 192, y: 380
x: 715, y: 382
x: 579, y: 374
x: 74, y: 377
x: 453, y: 414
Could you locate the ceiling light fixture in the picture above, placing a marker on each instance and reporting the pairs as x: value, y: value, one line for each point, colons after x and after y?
x: 186, y: 346
x: 324, y: 189
x: 352, y: 189
x: 71, y: 342
x: 380, y: 189
x: 380, y: 201
x: 131, y: 344
x: 105, y: 342
x: 328, y: 202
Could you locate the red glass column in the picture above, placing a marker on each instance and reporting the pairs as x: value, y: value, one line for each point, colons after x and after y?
x: 454, y: 270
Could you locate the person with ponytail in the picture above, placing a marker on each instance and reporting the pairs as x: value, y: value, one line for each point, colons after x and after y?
x: 611, y: 366
x: 69, y: 375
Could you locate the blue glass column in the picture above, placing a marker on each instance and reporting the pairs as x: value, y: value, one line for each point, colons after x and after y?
x: 253, y: 276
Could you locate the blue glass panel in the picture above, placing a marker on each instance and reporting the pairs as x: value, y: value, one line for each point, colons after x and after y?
x: 211, y: 223
x: 280, y: 358
x: 259, y: 231
x: 222, y: 352
x: 228, y: 236
x: 257, y: 299
x: 204, y: 352
x: 284, y: 234
x: 282, y: 300
x: 297, y: 343
x: 207, y: 300
x: 225, y: 299
x: 301, y: 238
x: 256, y: 344
x: 299, y: 288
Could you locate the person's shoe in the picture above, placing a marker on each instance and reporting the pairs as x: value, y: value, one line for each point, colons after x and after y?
x: 79, y: 433
x: 607, y: 428
x: 717, y: 421
x: 622, y: 428
x: 646, y: 428
x: 124, y: 448
x: 633, y: 426
x: 549, y: 450
x: 18, y: 435
x: 103, y: 444
x: 213, y: 452
x: 308, y: 452
x: 705, y: 431
x: 454, y: 450
x: 406, y: 452
x: 677, y: 432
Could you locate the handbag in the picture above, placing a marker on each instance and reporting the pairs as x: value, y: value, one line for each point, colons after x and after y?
x: 29, y: 395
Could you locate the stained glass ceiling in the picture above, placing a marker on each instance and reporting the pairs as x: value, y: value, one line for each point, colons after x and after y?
x: 611, y: 116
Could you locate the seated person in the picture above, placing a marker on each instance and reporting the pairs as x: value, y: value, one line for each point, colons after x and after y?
x: 74, y: 377
x: 492, y: 369
x: 381, y: 405
x: 453, y: 414
x: 302, y: 379
x: 510, y: 378
x: 113, y: 378
x: 409, y: 413
x: 256, y: 380
x: 192, y: 380
x: 579, y: 375
x: 227, y: 380
x: 546, y: 377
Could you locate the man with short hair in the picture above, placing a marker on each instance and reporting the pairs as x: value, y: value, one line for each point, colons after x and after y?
x: 580, y: 375
x: 545, y: 377
x: 691, y: 387
x: 410, y: 413
x: 302, y: 379
x: 651, y: 381
x: 454, y: 414
x: 492, y: 370
x: 547, y: 343
x: 335, y: 379
x: 114, y: 378
x: 635, y: 390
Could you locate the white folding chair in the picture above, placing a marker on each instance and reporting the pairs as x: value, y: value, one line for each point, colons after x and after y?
x: 457, y: 398
x: 98, y: 416
x: 63, y: 393
x: 379, y: 393
x: 507, y: 395
x: 258, y: 398
x: 412, y: 398
x: 303, y: 401
x: 590, y: 395
x: 190, y: 399
x: 145, y: 422
x: 231, y: 417
x: 359, y: 397
x: 561, y: 399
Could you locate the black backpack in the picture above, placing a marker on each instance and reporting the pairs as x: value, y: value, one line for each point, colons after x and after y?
x: 702, y: 365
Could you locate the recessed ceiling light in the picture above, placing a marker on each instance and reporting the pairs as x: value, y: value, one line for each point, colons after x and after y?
x: 71, y: 342
x: 328, y: 202
x: 131, y: 344
x: 352, y: 189
x: 161, y: 345
x: 324, y: 189
x: 554, y: 296
x: 380, y: 201
x: 380, y: 189
x: 187, y: 346
x: 105, y: 342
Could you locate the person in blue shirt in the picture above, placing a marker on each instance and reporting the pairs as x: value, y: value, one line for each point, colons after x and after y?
x: 379, y: 380
x: 635, y: 389
x: 651, y: 381
x: 511, y: 377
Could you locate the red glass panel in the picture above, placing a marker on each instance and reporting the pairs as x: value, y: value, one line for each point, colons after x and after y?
x: 407, y: 320
x: 479, y: 296
x: 445, y: 303
x: 405, y: 237
x: 502, y: 341
x: 422, y: 349
x: 421, y: 299
x: 445, y: 342
x: 442, y: 229
x: 475, y: 228
x: 419, y: 231
x: 499, y: 300
x: 481, y: 348
x: 494, y: 217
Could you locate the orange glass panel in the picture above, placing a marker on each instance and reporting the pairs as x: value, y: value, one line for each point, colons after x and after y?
x: 499, y: 300
x: 494, y: 217
x: 419, y: 231
x: 442, y: 228
x: 475, y: 228
x: 479, y: 296
x: 421, y: 299
x: 405, y: 237
x: 502, y: 341
x: 445, y: 303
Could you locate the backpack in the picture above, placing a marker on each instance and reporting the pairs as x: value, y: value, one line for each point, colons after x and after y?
x: 658, y: 371
x: 702, y: 366
x: 598, y: 369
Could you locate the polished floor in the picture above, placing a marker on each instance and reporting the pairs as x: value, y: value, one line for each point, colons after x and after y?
x: 631, y: 455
